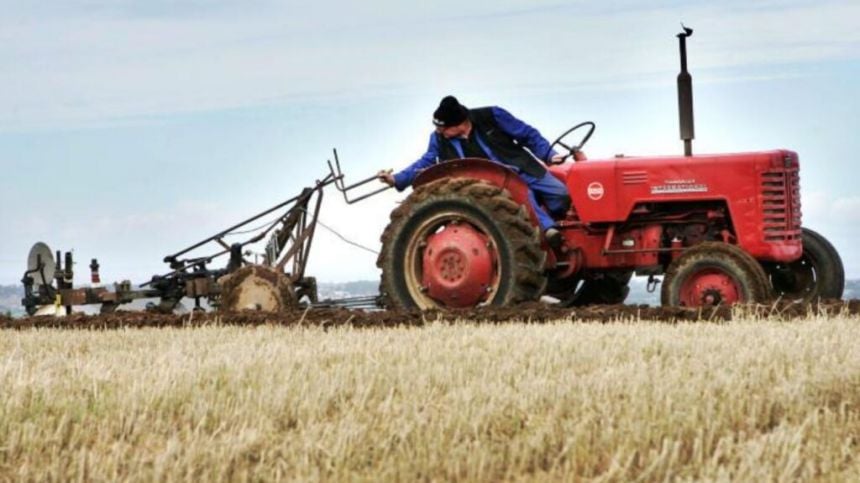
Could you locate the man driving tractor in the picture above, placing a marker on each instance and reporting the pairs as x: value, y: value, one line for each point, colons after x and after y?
x: 493, y: 133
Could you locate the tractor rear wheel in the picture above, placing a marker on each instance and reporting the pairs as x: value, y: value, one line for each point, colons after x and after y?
x: 817, y: 274
x: 458, y: 243
x: 257, y: 287
x: 715, y: 273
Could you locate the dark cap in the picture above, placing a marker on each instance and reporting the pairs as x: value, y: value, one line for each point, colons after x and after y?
x: 450, y: 112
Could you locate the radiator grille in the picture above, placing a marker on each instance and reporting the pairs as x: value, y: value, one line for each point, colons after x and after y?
x: 780, y: 195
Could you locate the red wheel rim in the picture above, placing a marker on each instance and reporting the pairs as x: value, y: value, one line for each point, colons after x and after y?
x: 709, y: 287
x: 451, y: 263
x: 458, y: 266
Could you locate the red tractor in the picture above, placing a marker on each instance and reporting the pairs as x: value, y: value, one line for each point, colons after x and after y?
x: 720, y: 229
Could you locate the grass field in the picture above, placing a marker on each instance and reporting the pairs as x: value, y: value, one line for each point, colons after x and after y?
x: 744, y: 401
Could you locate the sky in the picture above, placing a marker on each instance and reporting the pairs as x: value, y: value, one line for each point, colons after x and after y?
x: 132, y: 129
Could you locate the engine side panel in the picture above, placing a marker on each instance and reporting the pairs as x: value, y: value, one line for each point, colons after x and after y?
x: 760, y: 190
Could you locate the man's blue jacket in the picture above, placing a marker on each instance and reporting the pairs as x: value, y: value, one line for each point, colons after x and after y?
x: 518, y: 131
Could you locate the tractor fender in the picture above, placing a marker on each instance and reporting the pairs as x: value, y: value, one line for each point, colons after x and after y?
x: 477, y: 168
x: 496, y: 174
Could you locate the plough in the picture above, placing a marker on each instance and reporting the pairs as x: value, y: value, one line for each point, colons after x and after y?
x: 275, y: 280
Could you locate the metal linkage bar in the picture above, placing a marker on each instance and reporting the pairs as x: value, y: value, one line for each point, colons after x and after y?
x: 293, y: 231
x: 183, y: 265
x: 337, y: 174
x: 302, y: 236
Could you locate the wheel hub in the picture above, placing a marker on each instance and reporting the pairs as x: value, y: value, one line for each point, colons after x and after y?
x: 710, y: 287
x: 712, y: 297
x: 458, y: 266
x: 796, y: 279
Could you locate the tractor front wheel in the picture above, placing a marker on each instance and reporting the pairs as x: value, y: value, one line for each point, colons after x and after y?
x: 817, y: 274
x: 459, y: 243
x: 715, y: 273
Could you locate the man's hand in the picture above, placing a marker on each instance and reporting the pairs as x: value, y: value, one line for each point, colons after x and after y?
x: 558, y: 158
x: 386, y: 176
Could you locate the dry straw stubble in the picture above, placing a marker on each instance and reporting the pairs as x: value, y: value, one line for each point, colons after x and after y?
x: 744, y: 400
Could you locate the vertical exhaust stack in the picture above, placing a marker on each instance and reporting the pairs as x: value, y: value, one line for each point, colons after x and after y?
x: 685, y: 95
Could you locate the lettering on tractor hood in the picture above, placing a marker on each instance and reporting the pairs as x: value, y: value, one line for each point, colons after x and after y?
x: 675, y: 186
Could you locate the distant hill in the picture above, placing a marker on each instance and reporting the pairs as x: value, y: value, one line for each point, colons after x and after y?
x: 347, y: 289
x: 10, y: 299
x: 852, y: 290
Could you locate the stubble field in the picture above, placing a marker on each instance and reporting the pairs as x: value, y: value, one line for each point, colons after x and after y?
x: 744, y: 400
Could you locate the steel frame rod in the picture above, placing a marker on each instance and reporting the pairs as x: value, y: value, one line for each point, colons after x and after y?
x: 320, y: 184
x: 338, y: 176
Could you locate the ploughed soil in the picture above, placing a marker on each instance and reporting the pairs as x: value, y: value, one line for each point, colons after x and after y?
x: 528, y: 313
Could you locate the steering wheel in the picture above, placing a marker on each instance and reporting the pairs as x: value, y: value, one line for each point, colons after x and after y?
x: 573, y: 149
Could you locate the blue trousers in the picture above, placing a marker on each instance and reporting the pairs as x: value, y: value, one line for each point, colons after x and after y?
x: 547, y: 192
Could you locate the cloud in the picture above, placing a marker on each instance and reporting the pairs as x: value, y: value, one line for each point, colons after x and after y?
x: 85, y: 62
x: 129, y: 243
x: 846, y: 210
x: 822, y: 207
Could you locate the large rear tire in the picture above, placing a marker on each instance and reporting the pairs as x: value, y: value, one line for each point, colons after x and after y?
x: 817, y: 274
x: 458, y: 243
x: 715, y: 273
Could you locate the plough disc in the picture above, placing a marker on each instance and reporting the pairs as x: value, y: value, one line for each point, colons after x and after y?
x: 257, y: 287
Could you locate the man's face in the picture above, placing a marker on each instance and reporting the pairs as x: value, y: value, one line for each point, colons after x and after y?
x: 458, y: 131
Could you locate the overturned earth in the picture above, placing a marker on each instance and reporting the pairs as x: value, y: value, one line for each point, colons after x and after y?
x: 533, y: 312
